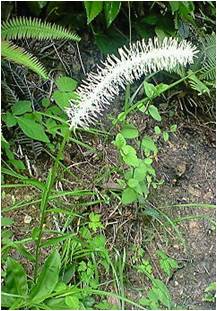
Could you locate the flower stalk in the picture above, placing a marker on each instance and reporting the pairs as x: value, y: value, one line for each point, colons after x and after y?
x: 99, y: 89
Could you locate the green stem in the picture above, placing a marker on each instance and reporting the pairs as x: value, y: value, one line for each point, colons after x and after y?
x: 45, y: 199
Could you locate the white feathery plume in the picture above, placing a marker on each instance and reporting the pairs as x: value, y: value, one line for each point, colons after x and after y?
x: 98, y: 90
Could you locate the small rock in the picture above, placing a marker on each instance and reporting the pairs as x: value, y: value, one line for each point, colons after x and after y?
x: 27, y: 219
x: 176, y: 283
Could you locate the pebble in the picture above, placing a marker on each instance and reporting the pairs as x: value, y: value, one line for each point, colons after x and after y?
x: 27, y: 219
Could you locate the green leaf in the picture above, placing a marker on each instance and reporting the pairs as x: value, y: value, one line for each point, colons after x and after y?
x: 148, y: 145
x: 93, y: 8
x: 15, y: 281
x: 174, y: 6
x: 173, y: 128
x: 32, y: 129
x: 165, y: 136
x: 95, y: 221
x: 129, y: 131
x: 9, y: 119
x: 150, y: 90
x: 73, y: 302
x: 115, y: 39
x: 157, y: 130
x: 47, y: 279
x: 133, y: 183
x: 162, y: 293
x: 154, y: 112
x: 62, y: 98
x: 128, y: 196
x: 129, y: 155
x: 45, y: 102
x: 6, y: 221
x: 140, y: 172
x: 66, y: 84
x: 111, y: 10
x: 161, y: 88
x: 21, y: 107
x: 167, y: 264
x: 120, y: 141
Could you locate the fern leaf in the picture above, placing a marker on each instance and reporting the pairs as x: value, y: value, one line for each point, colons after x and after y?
x: 18, y: 55
x: 22, y: 27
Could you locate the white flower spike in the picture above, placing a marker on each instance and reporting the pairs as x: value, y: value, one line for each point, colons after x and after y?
x: 99, y: 89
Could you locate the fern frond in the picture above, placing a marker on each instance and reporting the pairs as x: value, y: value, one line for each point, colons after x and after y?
x: 99, y: 89
x: 22, y: 27
x: 8, y: 94
x: 209, y: 63
x: 18, y: 55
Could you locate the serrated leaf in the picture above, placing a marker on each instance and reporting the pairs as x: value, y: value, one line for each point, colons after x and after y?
x: 128, y: 196
x: 111, y: 10
x: 154, y: 112
x: 66, y: 84
x: 32, y: 129
x: 47, y: 279
x: 93, y: 8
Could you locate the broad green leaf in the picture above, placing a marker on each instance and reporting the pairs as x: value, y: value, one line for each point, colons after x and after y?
x: 66, y: 84
x: 56, y: 304
x: 140, y: 172
x: 129, y: 131
x: 154, y: 112
x: 120, y: 141
x: 128, y: 150
x: 47, y: 279
x: 62, y: 98
x: 15, y: 281
x: 93, y: 8
x: 128, y: 196
x: 150, y: 90
x: 9, y: 119
x: 21, y: 107
x: 32, y: 129
x: 111, y: 10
